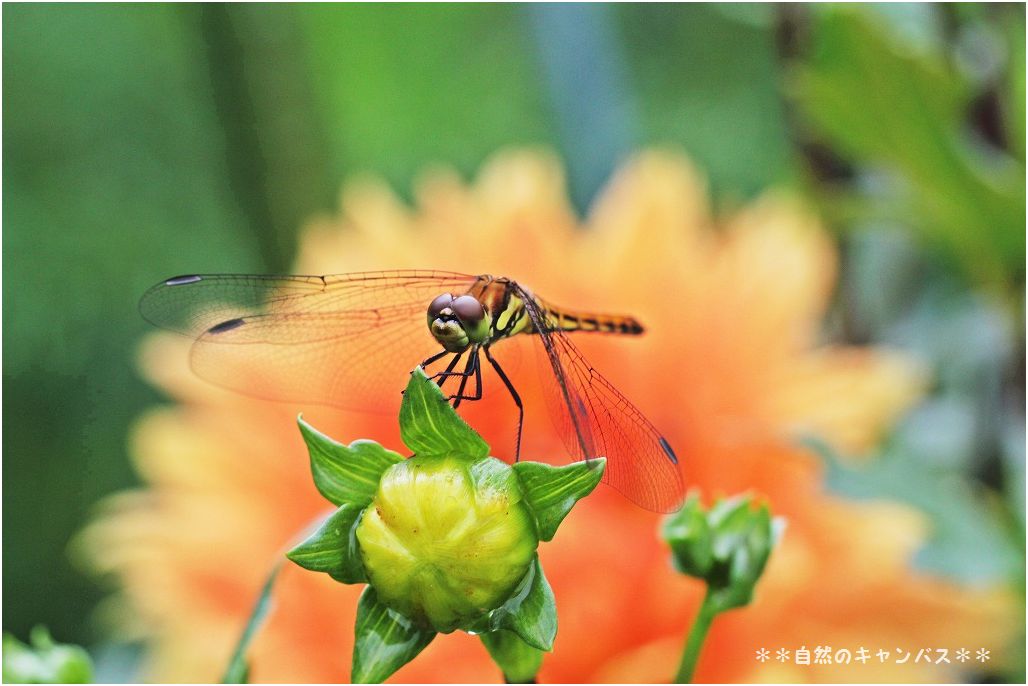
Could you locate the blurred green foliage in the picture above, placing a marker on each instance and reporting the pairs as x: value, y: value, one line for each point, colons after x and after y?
x: 114, y: 172
x: 901, y: 112
x: 923, y: 111
x: 143, y: 141
x: 44, y: 662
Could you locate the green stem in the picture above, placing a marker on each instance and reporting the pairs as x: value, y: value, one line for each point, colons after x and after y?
x: 694, y: 644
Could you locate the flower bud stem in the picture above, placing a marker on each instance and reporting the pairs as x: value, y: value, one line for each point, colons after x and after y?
x: 694, y: 643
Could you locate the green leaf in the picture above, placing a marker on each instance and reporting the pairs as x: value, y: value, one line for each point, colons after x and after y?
x: 238, y: 669
x: 1014, y: 93
x: 333, y: 547
x: 518, y: 661
x: 44, y: 662
x: 430, y: 427
x: 346, y: 473
x: 531, y: 611
x: 551, y: 492
x: 384, y: 640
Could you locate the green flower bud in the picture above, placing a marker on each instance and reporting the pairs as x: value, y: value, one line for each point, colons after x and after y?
x: 726, y: 546
x: 446, y: 541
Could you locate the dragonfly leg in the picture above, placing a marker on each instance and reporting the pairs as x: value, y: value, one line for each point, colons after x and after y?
x: 441, y: 377
x: 514, y: 395
x: 471, y: 368
x: 478, y: 378
x: 478, y: 381
x: 442, y: 353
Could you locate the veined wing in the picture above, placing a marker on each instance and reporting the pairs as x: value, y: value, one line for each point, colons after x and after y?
x: 596, y: 420
x: 347, y: 340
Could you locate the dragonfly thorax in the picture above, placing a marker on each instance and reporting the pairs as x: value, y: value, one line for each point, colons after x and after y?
x: 458, y: 322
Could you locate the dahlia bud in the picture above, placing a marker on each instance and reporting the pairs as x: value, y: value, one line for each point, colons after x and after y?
x: 445, y: 540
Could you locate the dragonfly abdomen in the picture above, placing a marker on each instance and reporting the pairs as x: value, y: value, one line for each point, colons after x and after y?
x: 590, y: 321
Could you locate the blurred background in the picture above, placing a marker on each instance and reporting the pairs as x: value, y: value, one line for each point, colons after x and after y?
x: 146, y: 141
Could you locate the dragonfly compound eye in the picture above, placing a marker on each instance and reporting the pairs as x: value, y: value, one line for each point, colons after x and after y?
x: 468, y: 309
x: 439, y: 304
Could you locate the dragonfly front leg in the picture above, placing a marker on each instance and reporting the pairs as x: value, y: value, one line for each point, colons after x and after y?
x: 515, y: 396
x: 473, y: 367
x: 441, y: 377
x: 429, y: 360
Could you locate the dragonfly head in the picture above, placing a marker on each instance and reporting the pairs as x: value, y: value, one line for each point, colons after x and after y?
x: 457, y: 322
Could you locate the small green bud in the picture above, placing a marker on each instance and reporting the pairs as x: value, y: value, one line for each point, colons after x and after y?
x: 446, y: 541
x: 44, y: 662
x: 727, y: 546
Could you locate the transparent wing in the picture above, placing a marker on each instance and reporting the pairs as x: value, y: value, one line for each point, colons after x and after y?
x: 347, y: 340
x: 596, y: 420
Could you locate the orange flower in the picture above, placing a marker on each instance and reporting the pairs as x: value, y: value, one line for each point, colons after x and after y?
x: 730, y: 369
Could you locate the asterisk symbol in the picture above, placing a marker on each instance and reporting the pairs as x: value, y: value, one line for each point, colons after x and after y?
x: 982, y: 655
x: 782, y: 655
x: 963, y: 655
x: 763, y: 655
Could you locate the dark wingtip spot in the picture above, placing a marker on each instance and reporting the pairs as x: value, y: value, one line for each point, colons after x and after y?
x: 182, y: 280
x: 668, y: 451
x: 582, y: 413
x: 226, y: 326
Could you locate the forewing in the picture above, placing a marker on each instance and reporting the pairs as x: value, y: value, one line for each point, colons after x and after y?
x: 596, y: 420
x: 346, y: 340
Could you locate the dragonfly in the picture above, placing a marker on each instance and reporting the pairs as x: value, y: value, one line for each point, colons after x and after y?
x: 348, y: 340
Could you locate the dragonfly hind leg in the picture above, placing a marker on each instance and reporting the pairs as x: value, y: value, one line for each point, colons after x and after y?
x: 514, y: 395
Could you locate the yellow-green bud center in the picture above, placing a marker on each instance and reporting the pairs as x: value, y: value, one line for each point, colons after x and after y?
x: 444, y: 542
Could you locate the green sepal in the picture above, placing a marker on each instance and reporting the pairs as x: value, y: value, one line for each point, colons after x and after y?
x: 238, y: 670
x: 384, y: 640
x: 530, y: 612
x: 551, y: 492
x: 491, y: 474
x: 730, y: 521
x: 518, y: 661
x: 430, y: 427
x: 749, y: 540
x: 333, y: 548
x: 688, y: 534
x: 346, y: 473
x: 43, y: 661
